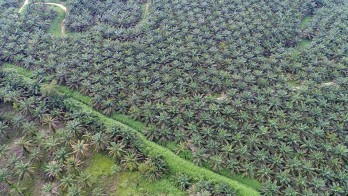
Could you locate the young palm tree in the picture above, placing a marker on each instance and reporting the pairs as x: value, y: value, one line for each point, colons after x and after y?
x: 199, y: 156
x: 51, y: 144
x: 216, y: 162
x: 49, y: 189
x: 29, y: 128
x: 99, y: 141
x: 74, y: 191
x: 116, y: 150
x: 84, y: 179
x: 5, y: 175
x: 130, y: 161
x: 61, y: 154
x: 17, y: 189
x: 183, y: 181
x: 23, y: 170
x: 3, y: 150
x: 25, y: 144
x: 26, y: 106
x: 72, y: 165
x: 51, y: 121
x: 3, y: 130
x: 53, y: 170
x: 74, y: 126
x: 80, y: 148
x: 66, y: 182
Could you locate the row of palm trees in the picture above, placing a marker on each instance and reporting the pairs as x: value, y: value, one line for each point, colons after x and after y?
x: 112, y: 18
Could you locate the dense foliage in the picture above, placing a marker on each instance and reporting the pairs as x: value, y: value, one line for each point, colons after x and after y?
x: 52, y: 140
x: 228, y: 80
x: 85, y: 14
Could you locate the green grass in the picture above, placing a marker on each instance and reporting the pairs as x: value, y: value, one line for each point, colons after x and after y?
x: 134, y: 183
x: 56, y: 26
x: 305, y: 22
x: 126, y: 182
x: 125, y: 119
x: 304, y: 42
x: 20, y: 70
x: 29, y: 183
x: 101, y: 165
x: 245, y: 180
x: 76, y: 95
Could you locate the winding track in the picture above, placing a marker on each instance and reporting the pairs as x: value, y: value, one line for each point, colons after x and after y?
x: 26, y: 2
x: 65, y: 10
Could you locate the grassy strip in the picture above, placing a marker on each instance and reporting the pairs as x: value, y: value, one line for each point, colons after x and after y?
x: 20, y: 70
x: 175, y: 162
x: 56, y: 26
x: 125, y: 119
x: 134, y: 183
x: 127, y: 182
x: 305, y: 22
x: 76, y: 95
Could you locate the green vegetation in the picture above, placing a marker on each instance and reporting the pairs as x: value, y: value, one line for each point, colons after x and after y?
x: 247, y: 96
x: 139, y: 126
x: 133, y: 183
x: 101, y: 165
x: 305, y: 22
x: 76, y: 95
x: 56, y: 26
x: 303, y: 43
x: 127, y: 182
x: 175, y: 163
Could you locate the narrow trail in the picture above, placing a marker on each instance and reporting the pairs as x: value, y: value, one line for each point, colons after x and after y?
x: 147, y: 6
x: 146, y: 13
x: 62, y: 26
x: 26, y: 2
x: 59, y: 5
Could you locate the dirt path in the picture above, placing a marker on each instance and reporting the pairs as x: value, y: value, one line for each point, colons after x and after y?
x: 46, y: 3
x: 59, y: 5
x: 147, y: 6
x: 65, y: 10
x: 146, y: 12
x: 26, y: 2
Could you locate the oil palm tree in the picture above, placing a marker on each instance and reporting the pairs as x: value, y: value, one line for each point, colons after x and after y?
x: 72, y: 165
x: 116, y: 150
x: 3, y: 130
x: 23, y: 169
x: 80, y: 148
x: 130, y: 161
x: 50, y: 121
x: 66, y: 182
x: 53, y: 170
x: 17, y: 189
x: 25, y: 144
x: 98, y: 140
x: 84, y: 180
